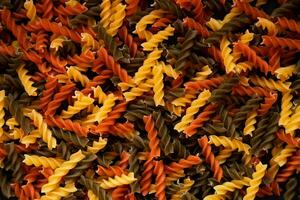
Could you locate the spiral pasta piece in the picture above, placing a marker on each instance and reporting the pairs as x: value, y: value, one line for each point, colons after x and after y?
x: 231, y: 186
x: 118, y: 181
x: 38, y: 161
x: 60, y: 192
x: 77, y: 76
x: 294, y: 122
x: 223, y: 155
x: 226, y: 55
x: 270, y: 83
x: 233, y: 144
x: 31, y: 10
x: 279, y: 42
x: 81, y: 103
x: 31, y: 138
x: 89, y: 42
x: 139, y: 90
x: 147, y: 176
x: 203, y: 74
x: 286, y: 108
x: 11, y: 123
x: 98, y: 93
x: 289, y: 24
x: 116, y: 19
x: 250, y: 123
x: 210, y: 158
x: 97, y: 146
x: 160, y: 180
x: 152, y: 136
x: 158, y: 86
x: 284, y: 73
x: 175, y: 167
x: 91, y: 195
x: 2, y: 113
x: 267, y: 24
x: 256, y: 180
x: 105, y: 13
x: 185, y: 187
x: 43, y: 128
x: 57, y: 43
x: 25, y: 80
x: 192, y: 110
x: 55, y: 178
x: 284, y: 154
x: 154, y: 41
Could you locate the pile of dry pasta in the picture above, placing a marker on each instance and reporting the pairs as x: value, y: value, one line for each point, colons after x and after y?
x: 149, y: 99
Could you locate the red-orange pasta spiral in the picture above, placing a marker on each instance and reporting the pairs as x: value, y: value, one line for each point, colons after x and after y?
x: 63, y: 94
x: 267, y: 104
x: 119, y: 192
x: 160, y: 180
x: 288, y: 138
x: 7, y: 50
x: 289, y: 24
x: 114, y: 66
x: 132, y: 6
x: 70, y: 10
x: 176, y: 83
x: 274, y: 59
x: 191, y: 23
x: 252, y: 57
x: 18, y: 31
x: 123, y: 163
x: 249, y: 91
x: 115, y: 114
x: 47, y: 6
x: 49, y: 91
x: 269, y: 190
x: 290, y: 167
x: 278, y: 42
x: 203, y: 117
x: 128, y: 40
x: 210, y: 158
x: 41, y: 42
x: 186, y: 163
x: 111, y: 171
x: 216, y: 54
x: 68, y: 125
x: 124, y: 130
x: 152, y: 136
x: 163, y: 22
x: 54, y: 28
x: 204, y: 84
x: 97, y: 80
x: 249, y: 10
x: 198, y: 10
x: 146, y: 179
x: 83, y: 60
x: 58, y: 65
x: 32, y: 175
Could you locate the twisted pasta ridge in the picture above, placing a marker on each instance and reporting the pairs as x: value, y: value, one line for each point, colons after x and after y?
x: 75, y: 74
x: 98, y: 93
x: 118, y: 181
x: 31, y: 10
x: 81, y: 103
x: 249, y: 91
x: 291, y: 186
x: 114, y: 66
x: 60, y: 192
x: 278, y: 42
x: 275, y: 63
x: 231, y: 186
x: 203, y: 74
x: 148, y: 63
x: 226, y: 55
x: 71, y: 10
x: 185, y: 51
x: 38, y: 161
x: 283, y: 73
x: 105, y: 125
x: 253, y: 12
x: 2, y: 112
x: 47, y: 7
x: 204, y: 84
x: 59, y: 97
x: 13, y: 162
x: 105, y: 13
x: 55, y: 178
x: 250, y: 105
x: 139, y: 90
x: 116, y: 19
x: 289, y: 24
x: 154, y: 41
x: 252, y: 57
x: 7, y: 50
x: 132, y: 6
x: 43, y: 128
x: 288, y: 138
x: 185, y: 187
x: 267, y: 24
x: 223, y: 89
x: 192, y: 110
x: 284, y: 154
x: 152, y: 136
x: 98, y: 80
x: 91, y: 195
x: 128, y: 39
x: 292, y: 164
x: 11, y: 123
x: 267, y: 104
x: 92, y: 185
x: 256, y: 180
x: 223, y: 155
x: 110, y: 43
x: 186, y: 163
x: 182, y: 101
x: 214, y: 24
x: 270, y: 83
x: 30, y: 139
x: 235, y: 24
x: 25, y: 80
x: 124, y: 130
x: 191, y: 23
x: 158, y: 86
x: 69, y: 137
x: 204, y: 116
x: 111, y: 171
x: 169, y: 71
x: 210, y: 158
x: 250, y: 123
x: 163, y: 133
x: 141, y: 26
x: 146, y: 179
x: 229, y: 143
x: 83, y: 60
x: 97, y: 146
x: 18, y: 31
x: 81, y: 167
x: 160, y: 180
x: 89, y: 42
x: 68, y: 125
x: 41, y: 42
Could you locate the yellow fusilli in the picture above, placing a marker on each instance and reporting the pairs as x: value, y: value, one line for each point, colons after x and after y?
x: 118, y: 181
x: 31, y: 10
x: 229, y: 143
x: 77, y: 76
x: 116, y: 19
x: 286, y: 108
x: 25, y: 80
x: 158, y: 86
x: 60, y: 192
x: 250, y: 123
x: 231, y: 186
x: 97, y: 146
x: 270, y: 83
x: 38, y: 161
x: 105, y: 13
x: 226, y: 55
x: 2, y: 113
